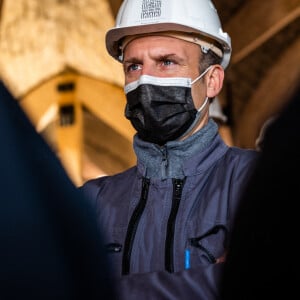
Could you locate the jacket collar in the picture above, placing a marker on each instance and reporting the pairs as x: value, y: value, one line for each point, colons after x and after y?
x: 167, y: 161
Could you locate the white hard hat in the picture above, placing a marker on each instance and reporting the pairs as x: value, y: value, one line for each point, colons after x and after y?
x: 199, y: 17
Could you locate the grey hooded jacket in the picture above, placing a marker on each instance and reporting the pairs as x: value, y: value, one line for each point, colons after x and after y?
x: 167, y: 220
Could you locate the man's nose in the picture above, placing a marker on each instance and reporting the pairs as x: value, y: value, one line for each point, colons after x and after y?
x: 148, y: 69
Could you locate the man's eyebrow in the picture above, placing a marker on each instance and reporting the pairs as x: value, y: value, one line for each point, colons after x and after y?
x: 170, y: 56
x: 132, y: 60
x: 160, y: 57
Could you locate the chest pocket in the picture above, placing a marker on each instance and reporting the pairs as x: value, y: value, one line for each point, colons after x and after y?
x: 209, y: 246
x: 114, y: 245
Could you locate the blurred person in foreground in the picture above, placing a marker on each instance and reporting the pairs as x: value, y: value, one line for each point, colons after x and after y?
x: 51, y: 247
x: 167, y: 219
x: 262, y: 259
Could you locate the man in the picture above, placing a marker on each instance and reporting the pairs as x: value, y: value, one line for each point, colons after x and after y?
x: 262, y: 258
x: 51, y: 247
x: 167, y: 219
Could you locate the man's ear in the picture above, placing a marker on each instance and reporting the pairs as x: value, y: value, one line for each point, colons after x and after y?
x: 214, y: 81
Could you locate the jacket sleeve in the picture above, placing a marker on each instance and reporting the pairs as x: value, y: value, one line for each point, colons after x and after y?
x: 200, y: 284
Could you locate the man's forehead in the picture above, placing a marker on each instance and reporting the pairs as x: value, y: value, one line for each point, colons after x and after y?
x: 174, y: 37
x: 160, y: 45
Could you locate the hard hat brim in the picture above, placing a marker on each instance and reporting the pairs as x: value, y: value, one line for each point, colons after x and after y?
x: 114, y: 37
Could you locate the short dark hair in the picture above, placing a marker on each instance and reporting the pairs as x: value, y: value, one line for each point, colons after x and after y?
x: 208, y: 59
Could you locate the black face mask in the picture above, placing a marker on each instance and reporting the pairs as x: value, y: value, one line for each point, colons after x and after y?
x: 161, y: 109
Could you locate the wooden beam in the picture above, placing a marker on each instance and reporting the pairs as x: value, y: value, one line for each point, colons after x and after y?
x: 44, y: 106
x: 274, y: 91
x: 115, y: 5
x: 104, y: 100
x: 107, y: 102
x: 1, y: 4
x: 69, y: 133
x: 257, y: 21
x: 40, y: 104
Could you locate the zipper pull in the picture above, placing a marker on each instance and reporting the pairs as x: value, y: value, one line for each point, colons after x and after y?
x: 196, y: 243
x: 113, y: 247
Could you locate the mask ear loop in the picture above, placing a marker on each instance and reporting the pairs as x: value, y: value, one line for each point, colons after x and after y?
x: 199, y: 110
x: 202, y: 106
x: 201, y: 75
x: 197, y: 118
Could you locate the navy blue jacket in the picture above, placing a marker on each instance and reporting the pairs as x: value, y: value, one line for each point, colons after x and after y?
x: 166, y: 235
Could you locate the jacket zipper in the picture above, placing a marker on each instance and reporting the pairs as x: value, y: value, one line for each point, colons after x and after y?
x: 177, y: 192
x: 132, y: 227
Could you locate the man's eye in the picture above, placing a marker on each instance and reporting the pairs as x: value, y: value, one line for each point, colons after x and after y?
x: 133, y: 67
x: 167, y: 62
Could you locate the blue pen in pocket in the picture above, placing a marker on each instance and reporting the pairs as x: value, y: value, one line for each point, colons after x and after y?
x: 187, y: 259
